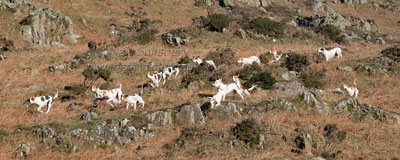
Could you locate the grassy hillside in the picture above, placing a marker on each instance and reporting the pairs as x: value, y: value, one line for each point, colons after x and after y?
x: 24, y: 73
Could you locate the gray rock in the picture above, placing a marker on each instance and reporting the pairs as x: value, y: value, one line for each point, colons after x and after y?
x: 344, y: 68
x: 292, y: 88
x: 23, y: 150
x: 190, y: 115
x: 227, y: 111
x: 272, y: 105
x: 316, y: 104
x: 88, y: 116
x: 290, y: 75
x: 176, y: 37
x: 73, y: 106
x: 383, y: 61
x: 337, y: 91
x: 359, y: 111
x: 195, y: 86
x: 162, y: 117
x: 78, y: 133
x: 45, y: 132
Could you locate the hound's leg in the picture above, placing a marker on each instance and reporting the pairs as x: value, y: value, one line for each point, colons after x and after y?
x: 40, y: 109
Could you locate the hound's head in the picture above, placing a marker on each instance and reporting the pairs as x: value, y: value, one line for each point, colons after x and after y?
x: 94, y: 88
x: 240, y: 60
x: 217, y: 83
x: 124, y: 96
x: 344, y: 86
x: 321, y: 50
x: 235, y: 77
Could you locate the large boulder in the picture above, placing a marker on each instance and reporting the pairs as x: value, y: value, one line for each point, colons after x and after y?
x: 359, y: 111
x: 383, y: 61
x: 89, y: 116
x: 162, y: 117
x: 316, y: 104
x: 227, y: 111
x: 272, y: 105
x: 190, y: 115
x: 291, y: 88
x: 176, y: 37
x: 42, y: 26
x: 45, y: 132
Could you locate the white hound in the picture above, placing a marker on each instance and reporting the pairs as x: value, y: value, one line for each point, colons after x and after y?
x: 249, y: 60
x: 133, y: 100
x: 114, y: 95
x: 227, y: 88
x: 155, y: 79
x: 169, y: 71
x: 198, y: 61
x: 277, y: 56
x: 352, y: 91
x: 43, y: 101
x: 331, y: 53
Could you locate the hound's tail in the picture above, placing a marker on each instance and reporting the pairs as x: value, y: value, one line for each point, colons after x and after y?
x: 338, y: 45
x: 120, y: 86
x: 252, y: 87
x: 354, y: 82
x: 56, y: 95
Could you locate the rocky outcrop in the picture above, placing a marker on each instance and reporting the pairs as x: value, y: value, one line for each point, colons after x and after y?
x: 383, y: 61
x: 292, y: 88
x: 176, y: 37
x: 226, y: 111
x: 45, y: 132
x: 89, y: 116
x: 392, y: 53
x: 357, y: 110
x: 161, y: 117
x: 37, y: 25
x: 272, y: 105
x: 109, y: 133
x: 190, y: 115
x: 317, y: 105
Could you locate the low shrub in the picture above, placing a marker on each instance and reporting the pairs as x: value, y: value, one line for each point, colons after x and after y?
x: 296, y: 62
x: 216, y: 22
x: 222, y: 56
x: 185, y: 60
x: 92, y: 74
x: 331, y: 32
x: 248, y: 131
x: 265, y: 26
x: 265, y: 58
x: 313, y: 78
x: 262, y: 79
x: 247, y: 72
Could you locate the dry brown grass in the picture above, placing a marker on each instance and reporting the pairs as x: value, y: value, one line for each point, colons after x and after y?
x: 369, y: 140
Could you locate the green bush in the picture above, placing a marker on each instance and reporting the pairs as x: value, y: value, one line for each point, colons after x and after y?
x: 78, y: 89
x: 262, y: 79
x: 222, y: 56
x: 248, y: 131
x: 331, y: 32
x: 248, y: 71
x: 312, y: 78
x: 185, y: 60
x: 265, y: 26
x: 296, y: 62
x: 92, y: 74
x: 217, y: 22
x: 147, y: 36
x: 265, y: 58
x: 104, y: 74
